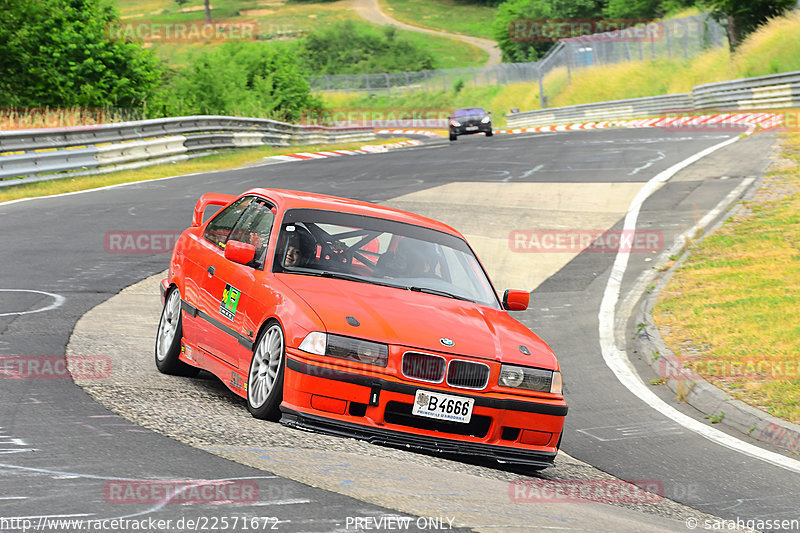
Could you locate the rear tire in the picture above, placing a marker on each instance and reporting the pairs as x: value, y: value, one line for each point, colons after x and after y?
x: 265, y: 378
x: 168, y: 339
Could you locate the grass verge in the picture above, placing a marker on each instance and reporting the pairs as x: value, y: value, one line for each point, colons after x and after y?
x: 769, y: 50
x: 730, y: 311
x: 221, y: 161
x: 281, y: 21
x: 439, y: 104
x: 451, y: 16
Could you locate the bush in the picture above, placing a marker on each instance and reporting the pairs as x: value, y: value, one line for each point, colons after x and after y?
x: 517, y: 49
x: 57, y: 53
x: 248, y: 79
x: 350, y: 48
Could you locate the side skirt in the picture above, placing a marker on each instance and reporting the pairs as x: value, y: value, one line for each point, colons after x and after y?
x: 230, y: 376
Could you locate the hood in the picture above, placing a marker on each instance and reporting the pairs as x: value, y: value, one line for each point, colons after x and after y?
x: 418, y: 320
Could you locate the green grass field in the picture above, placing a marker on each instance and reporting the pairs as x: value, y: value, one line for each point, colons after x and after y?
x: 730, y: 311
x: 452, y: 16
x: 769, y: 50
x: 278, y: 21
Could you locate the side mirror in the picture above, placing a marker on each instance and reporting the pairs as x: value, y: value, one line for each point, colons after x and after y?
x: 516, y: 300
x: 206, y: 200
x: 239, y: 252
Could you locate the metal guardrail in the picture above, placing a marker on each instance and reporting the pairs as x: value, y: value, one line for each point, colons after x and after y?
x: 26, y: 155
x: 614, y: 110
x: 775, y: 90
x: 764, y: 92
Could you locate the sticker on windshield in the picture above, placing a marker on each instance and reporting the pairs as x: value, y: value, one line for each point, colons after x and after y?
x: 230, y: 300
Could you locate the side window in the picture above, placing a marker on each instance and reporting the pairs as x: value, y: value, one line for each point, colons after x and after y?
x: 221, y: 225
x: 254, y: 227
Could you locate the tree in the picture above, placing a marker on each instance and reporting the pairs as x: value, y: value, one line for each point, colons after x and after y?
x: 741, y: 17
x: 59, y: 53
x: 239, y: 78
x: 644, y: 9
x: 633, y: 9
x: 517, y: 24
x: 350, y: 48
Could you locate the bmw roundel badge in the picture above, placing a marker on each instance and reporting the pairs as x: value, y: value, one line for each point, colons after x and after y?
x: 447, y: 342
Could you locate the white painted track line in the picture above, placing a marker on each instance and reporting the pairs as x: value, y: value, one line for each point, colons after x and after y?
x: 617, y: 360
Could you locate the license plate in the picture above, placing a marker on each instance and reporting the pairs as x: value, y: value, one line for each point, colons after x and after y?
x: 443, y: 406
x: 472, y: 128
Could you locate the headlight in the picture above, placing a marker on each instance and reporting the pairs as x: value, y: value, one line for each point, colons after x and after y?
x: 486, y: 119
x: 455, y: 123
x: 361, y: 351
x: 511, y: 376
x: 537, y: 379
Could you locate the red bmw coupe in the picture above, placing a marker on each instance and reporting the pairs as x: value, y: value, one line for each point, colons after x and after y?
x: 358, y: 320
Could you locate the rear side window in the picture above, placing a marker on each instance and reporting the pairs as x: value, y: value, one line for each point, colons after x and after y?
x: 219, y: 229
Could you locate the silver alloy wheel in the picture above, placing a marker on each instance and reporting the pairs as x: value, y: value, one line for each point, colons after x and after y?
x: 170, y: 318
x: 265, y: 367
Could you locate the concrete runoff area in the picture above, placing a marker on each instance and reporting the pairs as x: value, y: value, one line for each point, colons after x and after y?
x: 549, y: 208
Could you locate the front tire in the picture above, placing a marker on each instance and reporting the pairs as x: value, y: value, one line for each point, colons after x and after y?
x: 168, y: 339
x: 489, y: 133
x: 265, y: 379
x: 453, y: 136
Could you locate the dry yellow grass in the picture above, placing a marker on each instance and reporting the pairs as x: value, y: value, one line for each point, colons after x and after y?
x: 710, y: 66
x: 525, y: 96
x: 771, y: 49
x: 731, y: 310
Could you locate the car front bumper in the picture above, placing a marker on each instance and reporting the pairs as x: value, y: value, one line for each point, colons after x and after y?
x: 465, y: 130
x: 349, y: 404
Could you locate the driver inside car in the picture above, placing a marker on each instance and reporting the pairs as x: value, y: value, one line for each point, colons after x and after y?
x: 299, y: 248
x: 293, y: 253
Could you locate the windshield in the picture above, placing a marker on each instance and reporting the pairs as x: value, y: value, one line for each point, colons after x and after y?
x: 469, y: 112
x: 383, y: 252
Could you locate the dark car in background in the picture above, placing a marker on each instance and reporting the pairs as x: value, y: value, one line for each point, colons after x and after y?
x: 468, y: 120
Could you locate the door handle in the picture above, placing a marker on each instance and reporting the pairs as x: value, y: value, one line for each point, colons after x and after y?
x: 211, y: 270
